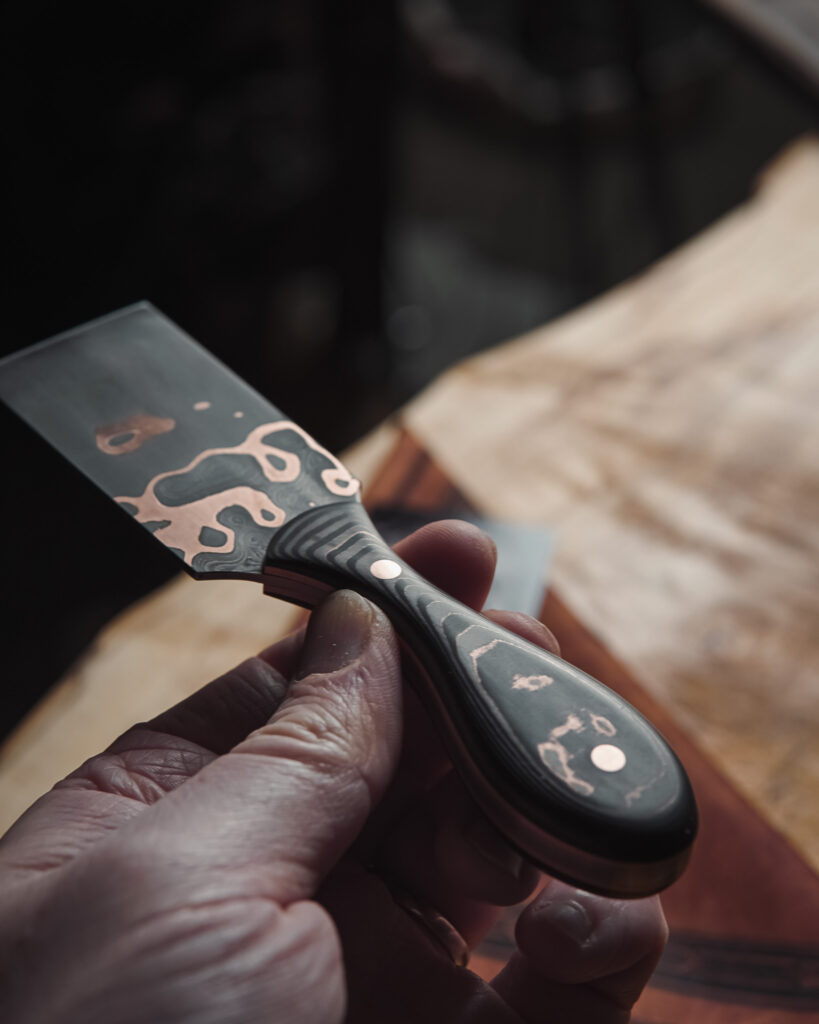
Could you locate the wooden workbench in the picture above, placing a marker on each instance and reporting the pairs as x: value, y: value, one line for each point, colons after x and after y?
x: 669, y: 433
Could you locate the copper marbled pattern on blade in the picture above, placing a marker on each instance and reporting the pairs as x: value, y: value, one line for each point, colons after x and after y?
x: 128, y: 435
x: 202, y: 461
x: 184, y: 526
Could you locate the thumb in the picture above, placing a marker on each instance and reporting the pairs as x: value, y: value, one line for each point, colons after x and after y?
x: 286, y: 802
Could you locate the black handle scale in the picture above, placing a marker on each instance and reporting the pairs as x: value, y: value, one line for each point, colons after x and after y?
x: 576, y: 778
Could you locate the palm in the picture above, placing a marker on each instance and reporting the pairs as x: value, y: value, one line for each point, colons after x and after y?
x: 157, y: 883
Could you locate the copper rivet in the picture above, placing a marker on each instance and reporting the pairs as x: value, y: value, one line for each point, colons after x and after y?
x: 385, y: 569
x: 608, y: 758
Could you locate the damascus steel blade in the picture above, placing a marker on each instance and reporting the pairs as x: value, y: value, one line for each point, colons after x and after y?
x: 200, y: 459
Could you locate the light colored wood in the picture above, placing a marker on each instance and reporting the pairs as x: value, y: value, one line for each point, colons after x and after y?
x: 669, y: 433
x: 156, y: 653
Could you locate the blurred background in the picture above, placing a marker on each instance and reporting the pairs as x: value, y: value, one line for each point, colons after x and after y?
x: 341, y: 200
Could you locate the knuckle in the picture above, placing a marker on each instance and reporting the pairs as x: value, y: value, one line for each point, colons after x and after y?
x: 323, y: 726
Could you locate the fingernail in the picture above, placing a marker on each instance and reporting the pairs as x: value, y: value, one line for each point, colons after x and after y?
x: 490, y: 844
x: 570, y: 919
x: 338, y: 631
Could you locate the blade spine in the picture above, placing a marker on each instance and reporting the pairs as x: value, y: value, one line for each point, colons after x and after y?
x: 38, y: 346
x: 142, y: 305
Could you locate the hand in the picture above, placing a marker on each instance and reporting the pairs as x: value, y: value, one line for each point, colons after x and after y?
x: 236, y: 859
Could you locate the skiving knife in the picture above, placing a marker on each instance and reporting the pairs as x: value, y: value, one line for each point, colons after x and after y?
x: 574, y: 777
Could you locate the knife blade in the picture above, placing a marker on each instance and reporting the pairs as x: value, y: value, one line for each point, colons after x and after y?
x: 577, y: 780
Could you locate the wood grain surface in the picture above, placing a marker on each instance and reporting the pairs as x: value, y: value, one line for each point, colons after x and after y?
x: 743, y: 945
x: 669, y: 432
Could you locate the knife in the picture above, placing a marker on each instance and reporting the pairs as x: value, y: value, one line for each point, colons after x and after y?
x: 576, y: 779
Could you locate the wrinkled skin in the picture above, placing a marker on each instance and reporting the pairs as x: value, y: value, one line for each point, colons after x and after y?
x: 232, y: 860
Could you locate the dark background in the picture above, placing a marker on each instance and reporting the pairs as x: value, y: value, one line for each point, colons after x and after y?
x: 340, y: 200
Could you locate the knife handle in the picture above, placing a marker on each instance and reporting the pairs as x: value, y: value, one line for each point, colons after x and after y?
x: 573, y: 776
